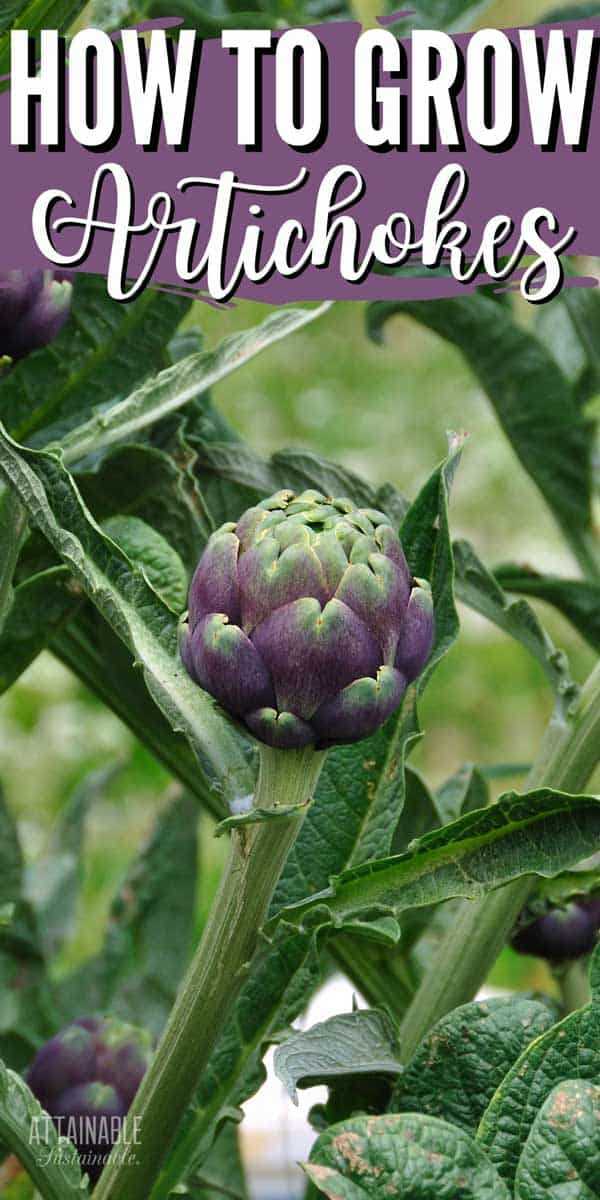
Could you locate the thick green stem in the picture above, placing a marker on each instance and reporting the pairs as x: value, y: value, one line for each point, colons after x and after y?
x: 570, y: 751
x: 256, y: 857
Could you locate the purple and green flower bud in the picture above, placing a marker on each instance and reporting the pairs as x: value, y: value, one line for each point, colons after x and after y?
x: 304, y: 622
x: 85, y: 1078
x: 33, y: 310
x: 562, y: 934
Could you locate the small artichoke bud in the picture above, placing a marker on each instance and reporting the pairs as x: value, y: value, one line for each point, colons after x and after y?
x: 562, y: 934
x: 304, y: 622
x: 91, y: 1069
x: 33, y: 310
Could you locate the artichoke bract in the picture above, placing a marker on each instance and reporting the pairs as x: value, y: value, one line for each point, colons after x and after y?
x: 304, y: 622
x: 85, y: 1078
x: 33, y: 310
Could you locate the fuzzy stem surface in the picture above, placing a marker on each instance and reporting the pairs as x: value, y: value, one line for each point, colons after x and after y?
x: 256, y: 857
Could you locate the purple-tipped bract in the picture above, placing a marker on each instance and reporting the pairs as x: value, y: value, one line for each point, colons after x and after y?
x: 33, y: 310
x: 304, y: 622
x: 85, y: 1078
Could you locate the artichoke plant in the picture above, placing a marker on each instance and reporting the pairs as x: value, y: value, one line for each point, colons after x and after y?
x: 33, y: 309
x: 91, y: 1069
x: 304, y: 622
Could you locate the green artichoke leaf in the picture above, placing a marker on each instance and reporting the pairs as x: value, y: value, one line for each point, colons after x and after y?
x: 149, y: 933
x: 300, y: 469
x: 93, y: 652
x: 478, y: 588
x: 518, y: 835
x: 222, y: 1176
x: 568, y: 1051
x: 464, y: 1058
x: 11, y: 856
x: 577, y: 599
x: 122, y: 595
x: 572, y: 12
x: 41, y: 606
x: 177, y: 385
x: 420, y: 813
x: 463, y: 792
x: 519, y: 375
x: 425, y: 536
x: 26, y: 1003
x: 26, y: 1130
x: 258, y: 816
x: 154, y: 485
x: 357, y: 1043
x: 399, y: 1155
x: 453, y: 15
x: 160, y: 563
x: 104, y: 350
x: 561, y: 889
x: 561, y: 1157
x: 13, y: 522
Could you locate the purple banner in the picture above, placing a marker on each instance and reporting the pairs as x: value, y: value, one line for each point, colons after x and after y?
x: 311, y: 164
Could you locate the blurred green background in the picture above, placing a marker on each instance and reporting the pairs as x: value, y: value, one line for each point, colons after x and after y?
x: 383, y: 411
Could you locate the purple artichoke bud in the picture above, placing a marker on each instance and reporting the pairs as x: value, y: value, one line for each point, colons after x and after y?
x: 33, y: 310
x: 304, y: 622
x: 559, y: 935
x: 92, y: 1069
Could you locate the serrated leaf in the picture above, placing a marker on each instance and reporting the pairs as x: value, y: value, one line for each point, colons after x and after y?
x: 179, y: 384
x: 482, y: 592
x: 414, y: 1156
x: 464, y: 1058
x: 520, y: 376
x: 25, y: 1129
x: 561, y: 1157
x: 122, y: 595
x: 357, y: 1043
x: 150, y: 551
x: 103, y: 351
x: 516, y: 836
x: 570, y: 1050
x: 577, y: 599
x: 148, y: 939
